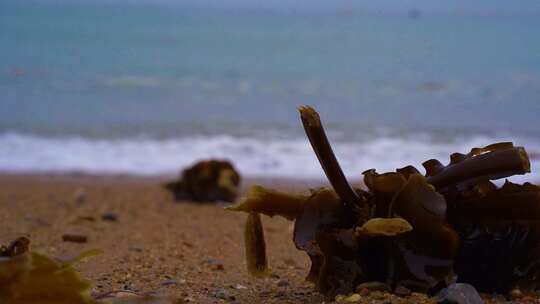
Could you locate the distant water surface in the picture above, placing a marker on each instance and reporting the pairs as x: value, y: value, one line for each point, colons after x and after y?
x: 149, y: 89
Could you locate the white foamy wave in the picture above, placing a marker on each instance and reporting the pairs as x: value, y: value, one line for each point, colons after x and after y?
x: 253, y: 157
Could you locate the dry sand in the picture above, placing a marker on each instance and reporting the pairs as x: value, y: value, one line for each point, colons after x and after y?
x: 156, y: 245
x: 184, y: 250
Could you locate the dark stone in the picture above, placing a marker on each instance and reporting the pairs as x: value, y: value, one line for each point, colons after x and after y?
x: 216, y: 264
x: 402, y: 291
x: 109, y: 216
x: 75, y: 238
x: 283, y: 283
x: 169, y: 282
x: 135, y: 248
x: 459, y: 293
x: 15, y: 248
x: 373, y: 286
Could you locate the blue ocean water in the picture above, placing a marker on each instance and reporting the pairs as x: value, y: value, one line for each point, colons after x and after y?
x: 147, y: 89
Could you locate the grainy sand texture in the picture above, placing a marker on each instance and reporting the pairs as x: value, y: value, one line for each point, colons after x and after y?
x: 152, y: 244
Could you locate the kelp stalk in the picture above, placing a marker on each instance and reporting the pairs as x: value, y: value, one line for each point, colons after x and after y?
x: 317, y: 137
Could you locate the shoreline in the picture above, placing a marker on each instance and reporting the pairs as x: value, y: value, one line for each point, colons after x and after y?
x: 280, y: 183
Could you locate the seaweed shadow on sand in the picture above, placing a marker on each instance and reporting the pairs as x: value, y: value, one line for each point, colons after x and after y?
x: 407, y: 229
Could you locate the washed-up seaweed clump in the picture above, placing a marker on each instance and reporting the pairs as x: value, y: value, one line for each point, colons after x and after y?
x: 408, y: 229
x: 28, y: 277
x: 206, y: 181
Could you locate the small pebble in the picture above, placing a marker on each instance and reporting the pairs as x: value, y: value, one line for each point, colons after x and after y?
x: 352, y: 298
x: 238, y: 286
x: 75, y: 238
x: 274, y: 275
x: 289, y: 261
x: 280, y: 294
x: 109, y: 216
x: 86, y: 218
x: 216, y: 264
x: 135, y: 248
x: 373, y: 286
x: 223, y: 294
x: 79, y: 196
x: 169, y: 282
x: 459, y: 293
x: 283, y: 283
x: 515, y: 294
x: 402, y: 291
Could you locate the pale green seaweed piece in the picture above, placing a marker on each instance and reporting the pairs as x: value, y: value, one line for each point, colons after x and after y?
x: 383, y: 227
x: 35, y: 278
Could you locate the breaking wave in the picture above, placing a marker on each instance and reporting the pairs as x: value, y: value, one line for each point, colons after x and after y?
x: 253, y: 157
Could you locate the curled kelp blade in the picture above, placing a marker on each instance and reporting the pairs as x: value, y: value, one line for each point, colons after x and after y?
x: 255, y: 245
x: 425, y: 209
x: 488, y: 163
x: 323, y: 209
x: 385, y: 186
x: 386, y: 227
x: 426, y: 254
x: 271, y: 202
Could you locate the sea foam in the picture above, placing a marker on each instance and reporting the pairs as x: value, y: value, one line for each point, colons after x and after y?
x: 253, y: 157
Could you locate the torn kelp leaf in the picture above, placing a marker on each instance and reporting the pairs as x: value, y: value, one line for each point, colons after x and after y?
x: 418, y: 231
x: 271, y: 202
x: 257, y: 264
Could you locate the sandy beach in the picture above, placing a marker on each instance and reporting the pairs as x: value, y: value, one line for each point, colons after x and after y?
x: 185, y: 250
x: 152, y: 244
x: 104, y: 102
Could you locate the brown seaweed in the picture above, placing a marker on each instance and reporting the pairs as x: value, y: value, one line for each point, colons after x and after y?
x: 418, y: 231
x: 257, y: 264
x: 270, y: 202
x: 494, y: 161
x: 325, y: 154
x: 206, y: 181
